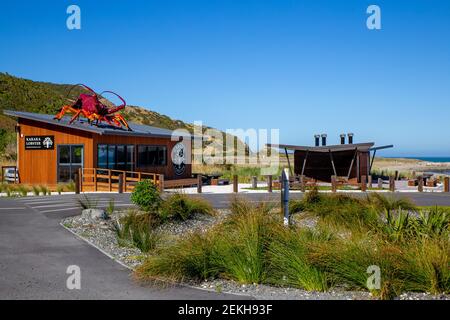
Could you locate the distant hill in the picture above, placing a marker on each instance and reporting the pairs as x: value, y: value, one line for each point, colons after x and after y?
x: 44, y: 97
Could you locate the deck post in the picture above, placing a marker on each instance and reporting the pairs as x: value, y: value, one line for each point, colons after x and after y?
x: 420, y: 183
x: 333, y: 184
x: 254, y: 182
x: 363, y: 183
x: 269, y: 183
x: 120, y: 183
x: 199, y: 183
x: 446, y: 184
x: 77, y: 182
x: 380, y: 183
x: 369, y: 181
x: 302, y: 183
x: 396, y: 175
x: 235, y: 183
x: 109, y: 179
x: 95, y: 179
x: 391, y: 183
x: 161, y: 183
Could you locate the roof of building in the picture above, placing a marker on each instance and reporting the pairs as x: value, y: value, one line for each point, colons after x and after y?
x: 331, y: 148
x: 102, y: 128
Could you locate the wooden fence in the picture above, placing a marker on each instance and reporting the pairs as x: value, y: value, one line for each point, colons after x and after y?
x: 98, y: 179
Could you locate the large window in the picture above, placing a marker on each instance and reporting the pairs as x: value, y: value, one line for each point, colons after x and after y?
x: 152, y: 155
x: 70, y: 159
x: 117, y: 157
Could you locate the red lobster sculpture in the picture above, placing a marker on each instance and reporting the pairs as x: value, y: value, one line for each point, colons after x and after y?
x: 92, y: 109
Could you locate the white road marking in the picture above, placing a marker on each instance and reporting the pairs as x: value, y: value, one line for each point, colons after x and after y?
x: 16, y: 208
x: 75, y: 208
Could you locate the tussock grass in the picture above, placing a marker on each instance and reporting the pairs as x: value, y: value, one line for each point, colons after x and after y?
x: 137, y: 229
x: 182, y: 207
x: 409, y: 245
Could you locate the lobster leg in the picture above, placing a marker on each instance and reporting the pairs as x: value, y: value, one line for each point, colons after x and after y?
x: 77, y: 114
x: 64, y: 110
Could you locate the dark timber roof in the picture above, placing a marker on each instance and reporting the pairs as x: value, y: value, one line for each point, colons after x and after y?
x: 102, y: 129
x: 333, y: 148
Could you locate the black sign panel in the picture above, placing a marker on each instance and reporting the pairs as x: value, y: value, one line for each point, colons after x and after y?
x: 39, y: 142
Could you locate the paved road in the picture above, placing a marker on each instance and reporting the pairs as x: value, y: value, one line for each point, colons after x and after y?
x: 35, y: 252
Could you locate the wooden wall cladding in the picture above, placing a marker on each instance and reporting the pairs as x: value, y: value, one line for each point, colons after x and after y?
x: 40, y: 166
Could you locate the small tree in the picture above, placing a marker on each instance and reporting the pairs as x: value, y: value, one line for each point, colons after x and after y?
x: 146, y: 196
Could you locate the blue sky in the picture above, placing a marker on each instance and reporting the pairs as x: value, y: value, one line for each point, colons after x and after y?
x: 304, y: 67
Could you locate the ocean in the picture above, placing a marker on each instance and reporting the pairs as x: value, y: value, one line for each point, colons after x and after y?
x: 430, y: 159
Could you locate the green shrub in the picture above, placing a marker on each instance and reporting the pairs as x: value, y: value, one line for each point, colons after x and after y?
x: 181, y: 207
x: 433, y: 222
x: 146, y: 196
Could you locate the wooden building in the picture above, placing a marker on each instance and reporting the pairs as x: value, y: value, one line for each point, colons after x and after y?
x: 349, y: 161
x: 52, y: 151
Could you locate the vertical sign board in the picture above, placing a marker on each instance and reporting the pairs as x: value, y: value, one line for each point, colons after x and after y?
x: 39, y: 142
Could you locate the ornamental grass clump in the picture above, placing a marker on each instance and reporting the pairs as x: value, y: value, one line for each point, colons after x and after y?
x: 290, y: 261
x: 182, y: 207
x: 137, y: 229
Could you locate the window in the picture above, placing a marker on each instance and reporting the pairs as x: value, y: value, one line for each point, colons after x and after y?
x: 116, y: 157
x: 70, y: 159
x: 152, y: 156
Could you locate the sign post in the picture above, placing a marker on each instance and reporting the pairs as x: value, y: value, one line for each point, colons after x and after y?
x: 285, y: 195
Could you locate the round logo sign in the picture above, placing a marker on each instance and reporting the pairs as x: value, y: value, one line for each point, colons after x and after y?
x: 179, y: 158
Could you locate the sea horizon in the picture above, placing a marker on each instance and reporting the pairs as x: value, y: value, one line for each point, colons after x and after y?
x: 425, y: 158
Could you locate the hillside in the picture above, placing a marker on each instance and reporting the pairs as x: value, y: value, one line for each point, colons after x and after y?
x: 43, y: 97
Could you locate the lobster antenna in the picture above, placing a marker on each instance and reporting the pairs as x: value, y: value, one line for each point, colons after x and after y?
x: 78, y: 85
x: 123, y: 101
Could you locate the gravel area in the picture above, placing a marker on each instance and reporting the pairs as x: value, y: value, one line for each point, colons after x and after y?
x: 101, y: 233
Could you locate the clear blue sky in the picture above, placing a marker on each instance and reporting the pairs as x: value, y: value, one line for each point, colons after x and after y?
x: 302, y: 66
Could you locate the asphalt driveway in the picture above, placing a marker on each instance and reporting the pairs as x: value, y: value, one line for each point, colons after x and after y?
x: 35, y: 252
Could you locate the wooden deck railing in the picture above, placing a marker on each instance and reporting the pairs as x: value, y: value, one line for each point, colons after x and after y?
x: 99, y: 179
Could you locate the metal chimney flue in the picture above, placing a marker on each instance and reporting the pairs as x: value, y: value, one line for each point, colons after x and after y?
x: 317, y: 139
x: 350, y: 138
x: 324, y: 139
x: 343, y: 138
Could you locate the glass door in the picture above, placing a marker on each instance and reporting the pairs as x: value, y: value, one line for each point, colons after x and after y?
x: 70, y: 159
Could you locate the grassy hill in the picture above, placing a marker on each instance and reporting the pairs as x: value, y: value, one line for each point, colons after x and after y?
x: 43, y: 97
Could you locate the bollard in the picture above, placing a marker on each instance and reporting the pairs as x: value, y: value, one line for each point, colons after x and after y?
x: 333, y: 184
x: 254, y: 182
x: 446, y: 184
x: 369, y: 182
x: 235, y: 183
x: 285, y: 197
x: 77, y: 182
x: 302, y: 183
x: 391, y: 184
x: 420, y: 183
x: 380, y: 183
x: 269, y: 183
x: 120, y: 183
x: 363, y: 183
x: 199, y: 183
